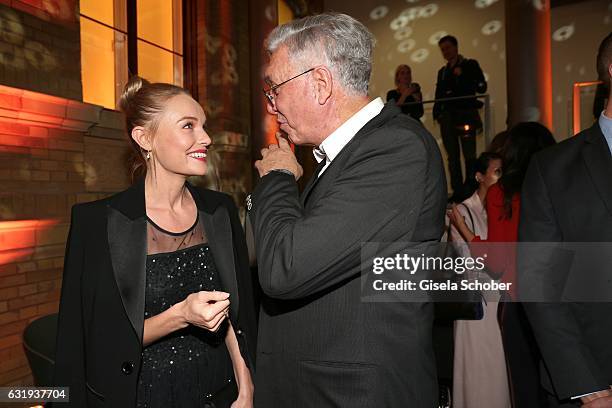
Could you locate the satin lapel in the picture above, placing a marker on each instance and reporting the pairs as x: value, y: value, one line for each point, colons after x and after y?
x: 596, y: 154
x: 219, y: 231
x: 127, y: 240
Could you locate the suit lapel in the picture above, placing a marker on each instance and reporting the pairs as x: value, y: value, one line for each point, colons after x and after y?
x: 388, y: 112
x: 127, y: 242
x: 219, y: 231
x: 311, y: 183
x: 596, y: 154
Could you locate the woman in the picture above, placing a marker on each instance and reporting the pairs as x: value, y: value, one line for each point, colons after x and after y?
x: 407, y: 94
x: 479, y: 370
x: 156, y: 309
x: 503, y: 207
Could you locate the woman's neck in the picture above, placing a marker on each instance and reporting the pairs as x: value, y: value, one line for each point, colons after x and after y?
x: 482, y: 194
x: 167, y: 192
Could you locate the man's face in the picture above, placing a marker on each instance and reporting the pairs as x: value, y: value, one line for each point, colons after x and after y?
x: 449, y: 50
x: 292, y: 100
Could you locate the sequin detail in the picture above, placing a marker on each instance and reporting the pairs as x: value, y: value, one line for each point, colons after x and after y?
x: 181, y: 369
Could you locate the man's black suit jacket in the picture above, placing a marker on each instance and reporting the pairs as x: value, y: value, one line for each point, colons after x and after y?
x: 101, y: 317
x: 567, y: 197
x: 319, y: 344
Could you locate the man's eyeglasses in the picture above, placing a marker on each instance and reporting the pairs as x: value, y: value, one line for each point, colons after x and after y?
x: 271, y: 92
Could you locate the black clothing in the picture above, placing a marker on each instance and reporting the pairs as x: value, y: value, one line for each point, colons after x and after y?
x: 567, y: 197
x: 186, y: 367
x: 459, y: 120
x: 409, y: 107
x: 102, y: 306
x: 332, y: 348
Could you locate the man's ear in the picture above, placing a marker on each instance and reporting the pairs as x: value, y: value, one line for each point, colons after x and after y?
x: 141, y: 136
x: 324, y: 82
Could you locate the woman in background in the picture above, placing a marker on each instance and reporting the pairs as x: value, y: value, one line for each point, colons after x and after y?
x: 407, y: 94
x: 503, y: 211
x: 156, y: 309
x: 479, y: 369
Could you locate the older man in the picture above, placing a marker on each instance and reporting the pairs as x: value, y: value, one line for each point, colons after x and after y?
x: 380, y: 179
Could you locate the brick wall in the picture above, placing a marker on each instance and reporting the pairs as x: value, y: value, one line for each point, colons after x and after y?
x: 40, y: 49
x: 54, y: 152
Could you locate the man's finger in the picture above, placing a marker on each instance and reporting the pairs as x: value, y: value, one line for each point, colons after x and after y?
x: 273, y: 147
x: 282, y: 142
x: 264, y: 152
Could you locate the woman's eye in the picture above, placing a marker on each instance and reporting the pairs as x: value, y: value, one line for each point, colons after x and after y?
x: 188, y: 125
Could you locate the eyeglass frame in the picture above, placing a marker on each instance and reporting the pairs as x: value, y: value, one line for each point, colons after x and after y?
x: 269, y: 93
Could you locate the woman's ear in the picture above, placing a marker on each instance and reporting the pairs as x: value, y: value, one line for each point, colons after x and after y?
x: 141, y: 136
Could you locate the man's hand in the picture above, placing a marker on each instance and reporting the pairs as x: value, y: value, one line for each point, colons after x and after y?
x: 278, y: 156
x: 601, y: 399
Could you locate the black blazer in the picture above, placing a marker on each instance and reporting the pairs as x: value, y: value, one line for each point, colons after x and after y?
x: 101, y: 318
x: 320, y: 345
x: 567, y: 197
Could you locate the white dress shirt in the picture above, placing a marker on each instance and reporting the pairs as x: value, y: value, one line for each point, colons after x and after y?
x: 335, y: 142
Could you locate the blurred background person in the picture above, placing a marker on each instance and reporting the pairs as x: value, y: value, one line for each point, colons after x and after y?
x: 407, y: 94
x: 498, y: 142
x: 503, y: 203
x: 479, y: 370
x: 567, y: 197
x: 459, y: 120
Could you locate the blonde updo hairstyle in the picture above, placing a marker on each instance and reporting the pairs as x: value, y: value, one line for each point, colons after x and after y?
x: 142, y: 102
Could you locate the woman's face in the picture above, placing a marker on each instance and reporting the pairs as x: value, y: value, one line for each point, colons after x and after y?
x: 494, y: 172
x: 404, y: 76
x: 180, y: 143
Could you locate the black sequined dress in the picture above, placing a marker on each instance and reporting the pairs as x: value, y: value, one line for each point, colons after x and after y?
x: 187, y: 367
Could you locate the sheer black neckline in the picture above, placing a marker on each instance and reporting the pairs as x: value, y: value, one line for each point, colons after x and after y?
x: 176, y: 234
x: 172, y: 253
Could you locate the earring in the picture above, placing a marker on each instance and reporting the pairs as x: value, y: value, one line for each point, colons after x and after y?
x: 148, y: 155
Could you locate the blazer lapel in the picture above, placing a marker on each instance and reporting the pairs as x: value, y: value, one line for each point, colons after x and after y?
x: 598, y: 160
x: 127, y: 242
x: 219, y: 232
x: 311, y: 183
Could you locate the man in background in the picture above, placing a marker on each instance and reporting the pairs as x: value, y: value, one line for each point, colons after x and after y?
x: 459, y: 120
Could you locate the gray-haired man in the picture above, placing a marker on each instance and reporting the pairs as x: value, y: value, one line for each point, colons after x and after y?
x: 380, y: 178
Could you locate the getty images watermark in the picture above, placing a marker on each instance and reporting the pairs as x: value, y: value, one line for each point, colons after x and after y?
x: 453, y: 269
x: 451, y: 272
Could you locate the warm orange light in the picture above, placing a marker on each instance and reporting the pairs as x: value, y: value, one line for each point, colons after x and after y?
x: 18, y: 238
x: 576, y: 103
x: 98, y: 63
x: 466, y: 127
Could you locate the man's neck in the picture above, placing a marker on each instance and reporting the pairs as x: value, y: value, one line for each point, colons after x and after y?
x: 343, y: 110
x: 608, y: 111
x: 453, y: 61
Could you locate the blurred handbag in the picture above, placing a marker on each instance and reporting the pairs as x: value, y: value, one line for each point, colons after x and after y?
x: 460, y: 305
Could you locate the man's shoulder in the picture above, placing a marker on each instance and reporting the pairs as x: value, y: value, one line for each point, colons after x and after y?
x: 563, y: 150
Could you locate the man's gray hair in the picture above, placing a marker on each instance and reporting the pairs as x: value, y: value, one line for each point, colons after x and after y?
x: 343, y: 42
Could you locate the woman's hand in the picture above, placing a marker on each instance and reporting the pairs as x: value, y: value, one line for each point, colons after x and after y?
x: 455, y: 217
x: 405, y: 90
x: 205, y: 309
